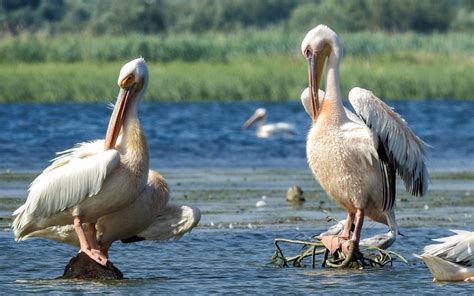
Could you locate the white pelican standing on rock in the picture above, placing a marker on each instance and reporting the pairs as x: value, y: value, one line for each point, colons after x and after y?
x: 85, y: 184
x: 150, y: 217
x: 453, y: 258
x: 356, y: 161
x: 266, y: 130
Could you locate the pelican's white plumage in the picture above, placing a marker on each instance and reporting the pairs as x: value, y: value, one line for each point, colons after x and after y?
x: 267, y: 130
x: 93, y: 179
x: 356, y: 158
x: 150, y: 217
x: 453, y: 258
x: 172, y: 223
x: 73, y: 180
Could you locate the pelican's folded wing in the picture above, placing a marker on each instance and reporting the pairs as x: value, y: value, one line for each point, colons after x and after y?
x: 80, y: 150
x: 65, y: 186
x: 403, y: 147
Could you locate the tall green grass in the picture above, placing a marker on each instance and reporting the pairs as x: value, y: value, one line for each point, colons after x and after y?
x: 213, y: 47
x: 402, y: 75
x: 244, y: 65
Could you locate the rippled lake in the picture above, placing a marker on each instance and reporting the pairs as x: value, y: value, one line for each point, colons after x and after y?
x: 211, y: 163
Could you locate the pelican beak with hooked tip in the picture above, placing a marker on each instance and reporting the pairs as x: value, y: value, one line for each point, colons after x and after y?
x: 126, y: 95
x: 316, y: 60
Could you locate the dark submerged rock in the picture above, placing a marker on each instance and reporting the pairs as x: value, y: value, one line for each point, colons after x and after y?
x: 84, y: 268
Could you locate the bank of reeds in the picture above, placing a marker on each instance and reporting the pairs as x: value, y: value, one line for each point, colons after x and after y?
x: 401, y: 75
x: 213, y: 47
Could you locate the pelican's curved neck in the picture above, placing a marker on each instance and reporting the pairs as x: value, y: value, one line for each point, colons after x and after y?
x: 131, y: 129
x: 133, y: 145
x: 133, y: 139
x: 333, y: 88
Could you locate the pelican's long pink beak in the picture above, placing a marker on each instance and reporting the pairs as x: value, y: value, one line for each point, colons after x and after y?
x: 313, y: 84
x: 316, y: 62
x: 118, y: 116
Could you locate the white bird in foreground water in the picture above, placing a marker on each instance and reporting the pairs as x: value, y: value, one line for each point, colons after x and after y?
x: 150, y: 217
x: 356, y: 160
x: 453, y: 258
x: 83, y: 184
x: 266, y: 130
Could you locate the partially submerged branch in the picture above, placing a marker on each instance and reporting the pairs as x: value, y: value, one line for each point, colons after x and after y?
x: 374, y: 257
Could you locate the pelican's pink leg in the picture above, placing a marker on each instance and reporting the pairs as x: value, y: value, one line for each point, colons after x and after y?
x: 347, y: 227
x: 85, y: 247
x: 334, y: 242
x: 91, y: 236
x: 359, y: 215
x: 469, y: 279
x: 358, y: 226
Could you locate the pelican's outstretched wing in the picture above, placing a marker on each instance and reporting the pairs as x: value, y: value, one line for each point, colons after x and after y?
x: 172, y: 223
x: 70, y: 179
x: 458, y: 248
x: 405, y: 151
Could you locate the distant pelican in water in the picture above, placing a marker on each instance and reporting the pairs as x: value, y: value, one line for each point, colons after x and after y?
x: 150, y: 217
x: 84, y: 184
x: 356, y: 160
x: 269, y: 129
x: 453, y: 258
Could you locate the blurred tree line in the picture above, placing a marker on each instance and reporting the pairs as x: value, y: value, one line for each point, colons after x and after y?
x: 101, y: 17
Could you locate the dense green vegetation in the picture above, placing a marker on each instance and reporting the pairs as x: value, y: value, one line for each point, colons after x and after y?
x: 216, y: 47
x: 275, y: 77
x: 72, y: 50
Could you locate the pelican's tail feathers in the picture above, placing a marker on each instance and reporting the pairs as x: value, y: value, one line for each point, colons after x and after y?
x: 172, y: 223
x: 23, y: 224
x: 62, y: 234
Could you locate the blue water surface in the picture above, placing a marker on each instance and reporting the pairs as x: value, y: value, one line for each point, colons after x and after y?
x: 210, y: 134
x: 220, y: 262
x: 229, y: 257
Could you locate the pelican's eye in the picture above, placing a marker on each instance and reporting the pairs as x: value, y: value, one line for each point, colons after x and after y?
x: 308, y: 53
x: 127, y: 81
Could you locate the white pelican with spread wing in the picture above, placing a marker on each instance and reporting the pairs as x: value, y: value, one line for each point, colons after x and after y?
x: 356, y: 160
x: 267, y: 130
x: 86, y: 183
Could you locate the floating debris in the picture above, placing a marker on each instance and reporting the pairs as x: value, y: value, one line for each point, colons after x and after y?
x: 295, y: 194
x: 311, y: 248
x: 261, y: 202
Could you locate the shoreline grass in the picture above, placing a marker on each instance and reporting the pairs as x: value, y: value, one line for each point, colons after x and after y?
x: 214, y: 47
x: 400, y: 75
